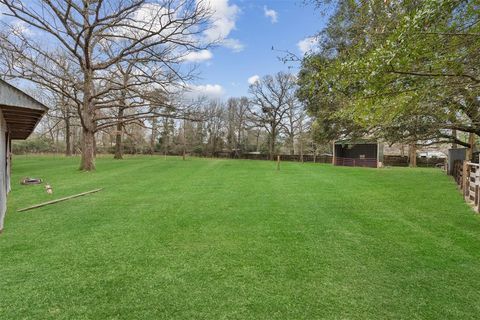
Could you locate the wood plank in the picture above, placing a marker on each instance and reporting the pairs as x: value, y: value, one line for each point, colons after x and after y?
x: 58, y: 200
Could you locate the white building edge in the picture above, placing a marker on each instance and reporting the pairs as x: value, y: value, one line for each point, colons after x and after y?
x: 19, y: 115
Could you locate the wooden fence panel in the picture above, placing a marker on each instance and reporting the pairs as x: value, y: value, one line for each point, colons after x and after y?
x: 467, y: 176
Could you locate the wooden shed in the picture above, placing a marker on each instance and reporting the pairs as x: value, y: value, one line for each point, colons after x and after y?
x: 19, y: 115
x: 358, y: 153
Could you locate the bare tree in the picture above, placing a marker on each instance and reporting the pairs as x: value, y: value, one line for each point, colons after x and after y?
x: 237, y: 124
x: 215, y: 123
x: 293, y: 121
x: 270, y: 98
x: 95, y: 37
x: 64, y: 111
x: 303, y: 134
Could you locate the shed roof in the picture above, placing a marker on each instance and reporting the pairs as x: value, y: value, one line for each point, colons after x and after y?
x: 20, y: 111
x: 356, y: 141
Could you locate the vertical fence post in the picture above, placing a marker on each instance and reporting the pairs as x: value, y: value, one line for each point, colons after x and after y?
x: 477, y: 183
x: 464, y: 178
x: 278, y: 162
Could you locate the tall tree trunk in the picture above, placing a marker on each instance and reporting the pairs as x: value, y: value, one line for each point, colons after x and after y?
x: 238, y: 149
x: 413, y: 155
x: 166, y: 138
x: 68, y: 143
x: 471, y: 142
x: 292, y: 144
x: 271, y: 144
x: 184, y: 141
x: 165, y: 147
x: 153, y: 135
x: 94, y: 146
x: 87, y: 162
x: 119, y: 135
x: 88, y: 150
x: 301, y: 146
x: 214, y: 143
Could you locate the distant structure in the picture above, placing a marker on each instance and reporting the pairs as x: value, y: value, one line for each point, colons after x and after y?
x: 358, y: 153
x: 19, y: 115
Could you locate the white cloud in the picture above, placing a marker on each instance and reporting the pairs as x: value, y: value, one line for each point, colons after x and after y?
x: 307, y: 45
x: 152, y: 18
x: 21, y: 28
x: 223, y: 19
x: 233, y: 44
x: 211, y: 91
x: 198, y: 56
x: 18, y: 26
x: 253, y: 79
x: 271, y: 14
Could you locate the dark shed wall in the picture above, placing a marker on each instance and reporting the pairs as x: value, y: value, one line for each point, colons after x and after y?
x: 356, y: 150
x: 455, y: 154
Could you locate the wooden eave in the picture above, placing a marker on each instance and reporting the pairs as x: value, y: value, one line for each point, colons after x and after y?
x: 20, y: 111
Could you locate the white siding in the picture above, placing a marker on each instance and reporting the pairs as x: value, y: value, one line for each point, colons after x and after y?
x: 3, y: 173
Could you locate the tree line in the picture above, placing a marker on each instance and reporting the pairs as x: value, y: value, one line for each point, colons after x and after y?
x: 270, y: 120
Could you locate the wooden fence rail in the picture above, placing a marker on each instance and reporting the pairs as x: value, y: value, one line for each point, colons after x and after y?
x: 367, y: 162
x: 467, y: 176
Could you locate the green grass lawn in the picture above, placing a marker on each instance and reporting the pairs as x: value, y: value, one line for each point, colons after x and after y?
x: 226, y: 239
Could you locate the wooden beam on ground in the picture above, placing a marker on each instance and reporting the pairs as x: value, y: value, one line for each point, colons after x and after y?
x: 58, y: 200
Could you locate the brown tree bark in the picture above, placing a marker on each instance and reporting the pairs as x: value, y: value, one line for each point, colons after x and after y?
x: 301, y: 147
x: 471, y: 142
x: 292, y: 144
x: 153, y: 136
x: 87, y: 162
x: 184, y: 142
x: 271, y: 142
x: 68, y: 143
x: 412, y: 155
x: 119, y: 136
x: 88, y: 150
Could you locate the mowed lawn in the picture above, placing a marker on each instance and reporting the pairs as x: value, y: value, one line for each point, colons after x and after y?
x: 227, y: 239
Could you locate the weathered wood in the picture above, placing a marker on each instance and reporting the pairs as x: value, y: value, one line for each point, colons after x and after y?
x: 476, y: 186
x: 334, y: 156
x: 58, y: 200
x: 278, y: 162
x: 464, y: 177
x: 468, y: 177
x: 473, y: 164
x: 476, y: 196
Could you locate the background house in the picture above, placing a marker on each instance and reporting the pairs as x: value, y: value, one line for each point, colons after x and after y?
x: 19, y: 114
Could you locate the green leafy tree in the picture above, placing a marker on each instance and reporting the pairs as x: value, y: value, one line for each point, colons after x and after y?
x: 406, y: 71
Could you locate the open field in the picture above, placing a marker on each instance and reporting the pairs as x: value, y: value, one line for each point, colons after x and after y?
x: 226, y: 239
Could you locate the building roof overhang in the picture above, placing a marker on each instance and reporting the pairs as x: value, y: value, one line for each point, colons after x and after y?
x: 356, y: 141
x: 20, y: 111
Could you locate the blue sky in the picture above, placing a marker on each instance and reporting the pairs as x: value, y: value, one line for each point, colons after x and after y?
x: 258, y: 25
x: 247, y: 29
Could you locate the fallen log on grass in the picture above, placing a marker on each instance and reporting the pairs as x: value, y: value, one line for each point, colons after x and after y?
x: 58, y: 200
